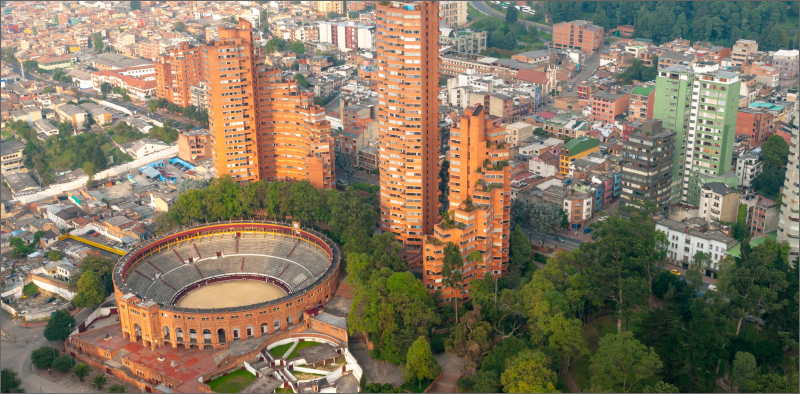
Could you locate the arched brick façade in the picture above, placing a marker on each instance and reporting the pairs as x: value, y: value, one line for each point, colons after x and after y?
x: 158, y: 323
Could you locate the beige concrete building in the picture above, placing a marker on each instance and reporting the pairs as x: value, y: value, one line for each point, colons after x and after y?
x: 718, y: 202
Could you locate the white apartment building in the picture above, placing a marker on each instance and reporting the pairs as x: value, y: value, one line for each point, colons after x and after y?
x: 687, y: 238
x: 748, y: 166
x: 789, y: 218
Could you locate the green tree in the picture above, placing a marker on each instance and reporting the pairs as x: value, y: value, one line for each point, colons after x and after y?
x: 179, y: 26
x: 381, y: 388
x: 89, y: 170
x: 545, y: 218
x: 81, y: 371
x: 739, y: 230
x: 301, y: 80
x: 62, y: 363
x: 10, y: 381
x: 8, y: 56
x: 59, y: 325
x: 332, y: 15
x: 298, y: 47
x: 152, y: 106
x: 774, y: 383
x: 471, y: 339
x: 91, y: 292
x: 744, y: 370
x: 512, y: 14
x: 48, y: 90
x: 528, y: 373
x: 55, y: 255
x: 660, y: 387
x: 420, y: 364
x: 520, y: 250
x: 97, y: 43
x: 105, y: 89
x: 752, y: 282
x: 620, y: 362
x: 99, y: 382
x: 344, y: 161
x: 43, y: 357
x: 136, y: 5
x: 393, y: 311
x: 775, y: 154
x: 452, y: 266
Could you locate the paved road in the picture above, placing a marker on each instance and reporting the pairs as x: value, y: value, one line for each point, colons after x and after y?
x: 587, y: 69
x: 17, y: 355
x: 332, y: 106
x: 536, y: 239
x: 485, y: 9
x: 359, y: 177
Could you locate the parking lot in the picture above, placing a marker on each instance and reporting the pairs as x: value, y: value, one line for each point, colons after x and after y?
x: 37, y: 308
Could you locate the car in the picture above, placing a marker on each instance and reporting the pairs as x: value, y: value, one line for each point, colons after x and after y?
x: 36, y: 294
x: 675, y: 272
x: 95, y: 234
x: 90, y: 232
x: 23, y: 312
x: 602, y: 218
x: 126, y: 115
x: 587, y: 230
x: 558, y: 239
x: 58, y: 301
x: 49, y: 300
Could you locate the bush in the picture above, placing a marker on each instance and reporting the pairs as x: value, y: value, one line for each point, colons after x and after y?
x: 62, y: 363
x: 465, y: 383
x: 43, y: 357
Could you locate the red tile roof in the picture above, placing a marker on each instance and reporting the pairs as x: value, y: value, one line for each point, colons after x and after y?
x: 537, y: 77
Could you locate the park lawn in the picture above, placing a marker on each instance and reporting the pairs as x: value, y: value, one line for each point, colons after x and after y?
x: 119, y: 138
x: 232, y: 382
x: 279, y: 351
x: 415, y: 387
x: 302, y: 345
x: 546, y: 36
x: 29, y: 289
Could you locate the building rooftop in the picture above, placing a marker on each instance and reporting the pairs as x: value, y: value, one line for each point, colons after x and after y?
x: 643, y: 90
x: 11, y: 147
x: 577, y: 145
x: 718, y: 188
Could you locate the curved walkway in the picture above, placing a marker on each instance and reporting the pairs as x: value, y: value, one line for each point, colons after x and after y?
x: 452, y: 368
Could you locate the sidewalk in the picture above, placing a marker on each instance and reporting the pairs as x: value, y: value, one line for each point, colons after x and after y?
x: 452, y: 367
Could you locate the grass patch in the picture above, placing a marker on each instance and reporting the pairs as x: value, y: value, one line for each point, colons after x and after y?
x: 119, y: 154
x: 29, y: 289
x: 279, y: 351
x: 504, y: 53
x: 284, y: 390
x: 415, y: 387
x: 546, y: 36
x: 306, y: 375
x: 7, y: 134
x: 752, y: 331
x: 120, y: 138
x: 474, y: 15
x: 301, y: 345
x: 611, y: 40
x: 232, y: 382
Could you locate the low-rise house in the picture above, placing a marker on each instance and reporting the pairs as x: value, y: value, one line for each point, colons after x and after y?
x: 21, y: 183
x: 144, y: 147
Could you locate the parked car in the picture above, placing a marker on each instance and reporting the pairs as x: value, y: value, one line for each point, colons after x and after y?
x: 95, y: 234
x: 49, y: 300
x: 90, y: 232
x: 602, y: 218
x: 587, y: 230
x: 23, y: 312
x: 675, y: 272
x: 558, y: 239
x: 36, y: 294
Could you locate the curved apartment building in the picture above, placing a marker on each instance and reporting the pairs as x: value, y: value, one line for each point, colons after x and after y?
x: 479, y: 204
x: 262, y: 126
x: 407, y: 84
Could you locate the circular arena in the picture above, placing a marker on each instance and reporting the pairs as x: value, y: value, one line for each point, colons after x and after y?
x: 208, y: 285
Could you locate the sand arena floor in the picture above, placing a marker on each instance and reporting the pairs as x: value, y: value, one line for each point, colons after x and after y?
x: 231, y: 293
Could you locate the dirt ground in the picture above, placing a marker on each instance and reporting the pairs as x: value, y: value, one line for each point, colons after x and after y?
x: 231, y: 294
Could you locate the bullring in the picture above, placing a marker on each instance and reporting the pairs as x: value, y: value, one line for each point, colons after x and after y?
x: 152, y: 279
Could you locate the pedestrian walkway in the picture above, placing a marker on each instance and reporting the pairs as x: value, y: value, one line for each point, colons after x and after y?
x: 452, y: 368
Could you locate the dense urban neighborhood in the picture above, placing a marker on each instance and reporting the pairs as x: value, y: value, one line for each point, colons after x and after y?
x: 400, y: 196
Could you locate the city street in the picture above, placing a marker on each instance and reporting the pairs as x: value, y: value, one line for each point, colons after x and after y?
x: 485, y: 9
x: 17, y: 355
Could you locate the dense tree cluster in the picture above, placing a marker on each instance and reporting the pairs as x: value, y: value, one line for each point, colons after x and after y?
x: 775, y: 154
x: 191, y: 112
x: 639, y: 72
x: 720, y: 22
